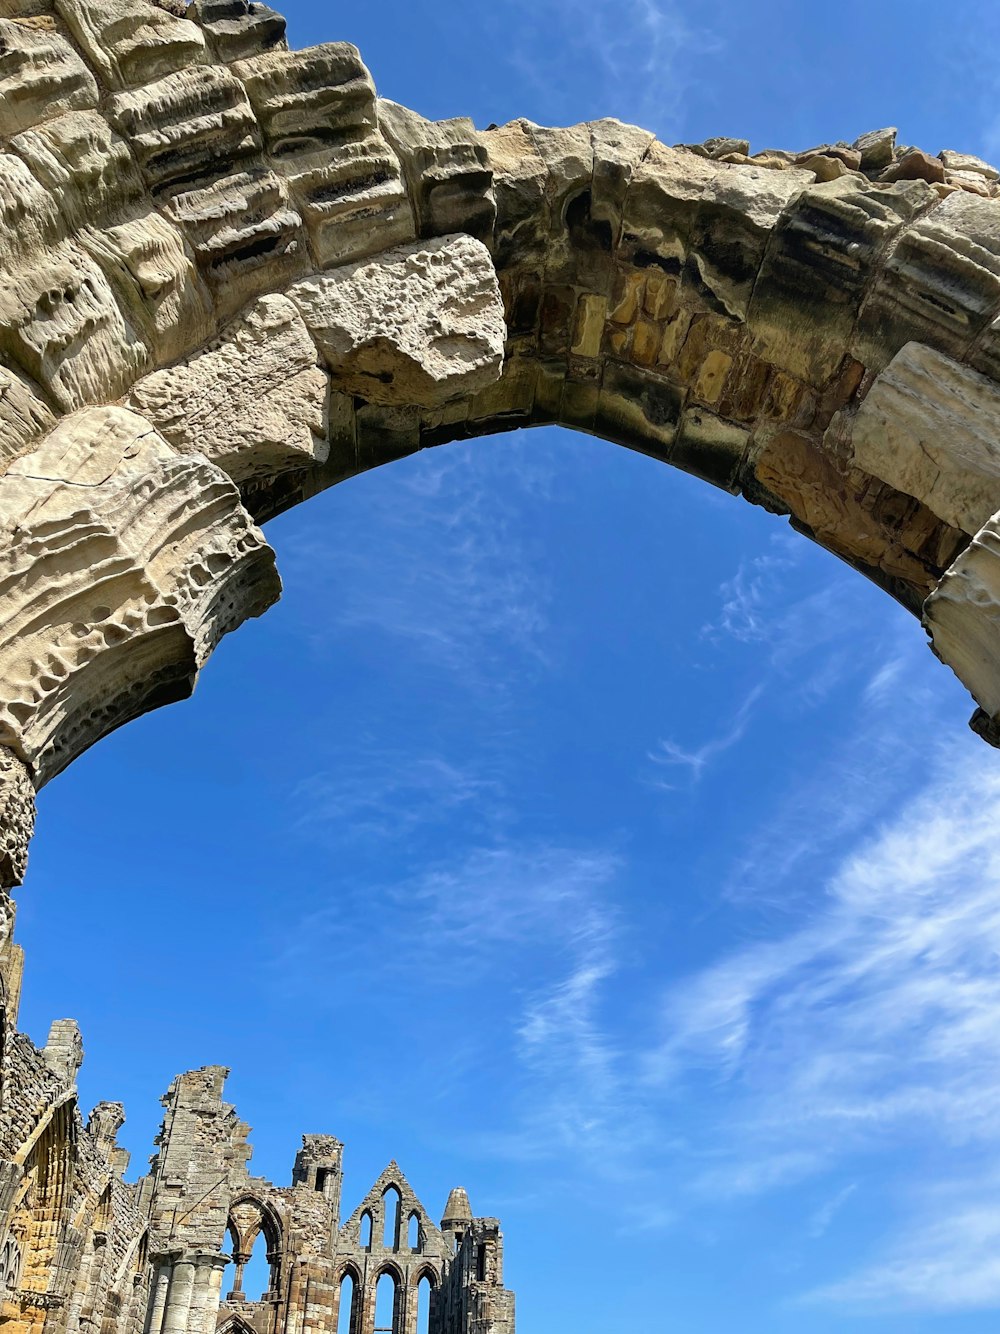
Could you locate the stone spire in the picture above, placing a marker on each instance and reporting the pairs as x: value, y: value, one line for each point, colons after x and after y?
x: 457, y: 1212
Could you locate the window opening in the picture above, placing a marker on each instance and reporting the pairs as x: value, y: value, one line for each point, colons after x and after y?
x: 385, y: 1305
x: 258, y: 1273
x: 345, y: 1314
x: 391, y: 1206
x: 424, y: 1288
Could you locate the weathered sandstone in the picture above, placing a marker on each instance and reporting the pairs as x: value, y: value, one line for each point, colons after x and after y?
x: 287, y: 281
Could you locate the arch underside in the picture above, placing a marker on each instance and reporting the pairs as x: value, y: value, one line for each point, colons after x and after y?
x: 233, y: 277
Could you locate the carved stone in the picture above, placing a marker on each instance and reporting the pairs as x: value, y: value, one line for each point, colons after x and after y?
x: 123, y: 563
x: 931, y: 428
x: 222, y: 234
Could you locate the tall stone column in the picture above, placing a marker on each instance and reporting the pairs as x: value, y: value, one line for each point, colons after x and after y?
x: 206, y: 1291
x: 159, y: 1288
x: 179, y: 1296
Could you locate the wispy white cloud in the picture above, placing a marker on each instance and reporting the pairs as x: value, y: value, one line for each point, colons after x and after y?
x: 750, y: 597
x: 535, y: 908
x: 698, y: 759
x: 453, y: 577
x: 886, y: 678
x: 540, y: 923
x: 821, y: 1219
x: 902, y: 945
x: 633, y: 59
x: 873, y: 1024
x: 947, y: 1260
x: 386, y: 794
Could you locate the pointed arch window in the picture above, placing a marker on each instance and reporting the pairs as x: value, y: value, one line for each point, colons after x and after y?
x: 424, y: 1289
x: 392, y: 1204
x: 254, y: 1232
x: 387, y: 1304
x: 347, y: 1315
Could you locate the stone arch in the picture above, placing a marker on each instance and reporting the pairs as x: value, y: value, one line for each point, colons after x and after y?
x: 249, y: 1218
x: 235, y: 1324
x: 348, y: 1269
x: 388, y: 1266
x: 417, y: 1276
x: 11, y: 1260
x: 354, y: 1317
x: 392, y: 1216
x: 427, y: 1270
x: 821, y: 337
x: 249, y: 1215
x: 387, y: 1269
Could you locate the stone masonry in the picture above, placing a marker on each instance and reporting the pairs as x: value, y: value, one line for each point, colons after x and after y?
x: 232, y: 275
x: 82, y: 1250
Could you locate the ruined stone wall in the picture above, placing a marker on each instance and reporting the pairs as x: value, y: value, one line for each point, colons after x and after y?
x: 73, y: 1253
x: 82, y: 1251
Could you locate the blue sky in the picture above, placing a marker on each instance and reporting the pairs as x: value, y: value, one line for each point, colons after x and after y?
x: 574, y: 832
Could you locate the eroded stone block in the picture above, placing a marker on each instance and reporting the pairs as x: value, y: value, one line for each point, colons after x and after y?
x: 86, y: 168
x: 60, y: 322
x: 122, y: 564
x: 962, y: 617
x: 17, y: 818
x: 931, y: 428
x: 447, y: 172
x: 417, y: 325
x: 40, y: 76
x: 317, y: 112
x: 825, y: 250
x: 939, y: 286
x: 24, y: 415
x: 156, y: 284
x: 240, y: 28
x: 130, y: 42
x: 254, y: 401
x: 708, y: 221
x: 188, y: 129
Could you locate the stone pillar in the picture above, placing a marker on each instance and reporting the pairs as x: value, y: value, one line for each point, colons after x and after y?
x: 179, y: 1296
x: 205, y: 1293
x: 159, y: 1288
x: 240, y: 1259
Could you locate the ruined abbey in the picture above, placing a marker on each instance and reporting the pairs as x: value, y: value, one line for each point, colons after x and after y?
x: 232, y: 276
x: 82, y: 1250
